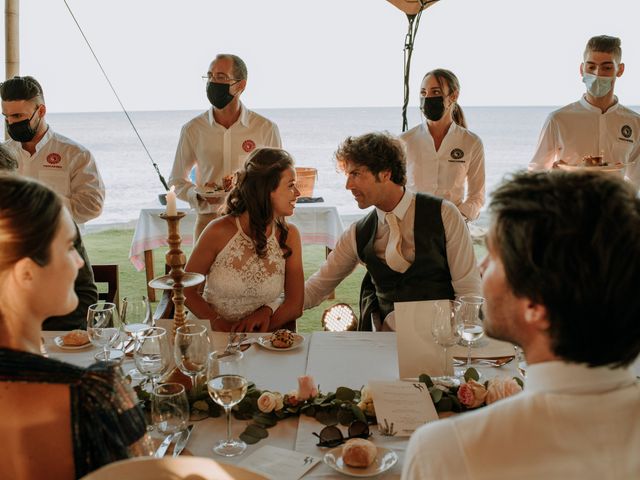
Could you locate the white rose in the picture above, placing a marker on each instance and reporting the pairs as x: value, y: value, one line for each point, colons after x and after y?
x: 279, y: 401
x: 267, y: 402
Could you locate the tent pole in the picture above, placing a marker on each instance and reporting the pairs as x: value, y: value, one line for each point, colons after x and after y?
x: 12, y: 38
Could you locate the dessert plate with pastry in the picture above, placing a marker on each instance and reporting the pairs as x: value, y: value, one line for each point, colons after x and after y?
x: 593, y: 163
x: 281, y: 340
x: 216, y: 190
x: 74, y: 340
x: 360, y: 458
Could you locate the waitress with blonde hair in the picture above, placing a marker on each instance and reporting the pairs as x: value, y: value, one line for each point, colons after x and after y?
x: 443, y: 157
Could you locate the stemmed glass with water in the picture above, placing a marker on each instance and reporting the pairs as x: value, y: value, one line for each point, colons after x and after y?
x: 470, y: 321
x: 191, y: 348
x: 135, y: 313
x: 152, y: 354
x: 445, y: 328
x: 103, y: 329
x: 227, y: 386
x: 169, y: 408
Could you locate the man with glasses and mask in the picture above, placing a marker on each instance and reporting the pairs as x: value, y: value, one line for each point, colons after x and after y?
x: 60, y: 163
x: 596, y: 125
x: 218, y: 141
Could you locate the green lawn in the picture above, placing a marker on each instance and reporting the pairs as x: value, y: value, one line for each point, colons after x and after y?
x: 112, y: 246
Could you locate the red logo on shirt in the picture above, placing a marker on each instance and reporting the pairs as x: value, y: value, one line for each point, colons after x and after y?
x: 248, y: 145
x: 53, y: 158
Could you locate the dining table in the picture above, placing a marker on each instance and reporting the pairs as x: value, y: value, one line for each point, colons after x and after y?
x: 334, y: 359
x: 318, y: 223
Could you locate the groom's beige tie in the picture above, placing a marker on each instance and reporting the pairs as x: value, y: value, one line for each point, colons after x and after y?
x: 393, y: 253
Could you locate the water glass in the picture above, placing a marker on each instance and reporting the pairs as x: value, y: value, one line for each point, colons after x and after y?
x: 191, y: 348
x: 103, y: 329
x: 135, y: 313
x: 152, y: 354
x: 227, y: 386
x: 169, y: 408
x: 445, y: 328
x: 470, y: 321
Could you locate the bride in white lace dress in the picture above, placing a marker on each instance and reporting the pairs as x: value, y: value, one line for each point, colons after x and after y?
x: 251, y: 256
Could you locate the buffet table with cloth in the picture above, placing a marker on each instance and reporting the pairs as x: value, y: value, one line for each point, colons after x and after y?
x: 348, y: 359
x: 319, y: 224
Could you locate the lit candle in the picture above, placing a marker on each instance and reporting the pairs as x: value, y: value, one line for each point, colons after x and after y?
x: 171, y: 211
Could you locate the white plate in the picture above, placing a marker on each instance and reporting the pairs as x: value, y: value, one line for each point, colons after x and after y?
x: 385, y: 459
x: 60, y: 344
x: 598, y: 168
x: 265, y: 341
x: 204, y: 192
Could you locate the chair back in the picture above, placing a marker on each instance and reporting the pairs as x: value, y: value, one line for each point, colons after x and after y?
x: 36, y: 431
x: 109, y: 275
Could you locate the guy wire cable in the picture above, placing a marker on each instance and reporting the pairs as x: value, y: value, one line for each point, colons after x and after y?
x: 155, y: 165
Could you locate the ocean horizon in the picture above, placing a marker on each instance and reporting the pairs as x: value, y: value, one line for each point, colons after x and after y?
x: 311, y: 135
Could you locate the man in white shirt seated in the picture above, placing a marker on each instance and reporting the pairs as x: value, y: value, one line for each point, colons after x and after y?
x: 596, y: 125
x: 414, y: 246
x: 63, y: 165
x: 219, y: 140
x: 561, y: 281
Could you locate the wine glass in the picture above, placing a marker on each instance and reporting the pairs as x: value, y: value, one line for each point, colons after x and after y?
x: 103, y: 329
x: 152, y: 354
x: 227, y: 386
x: 135, y: 313
x: 470, y: 321
x: 445, y: 328
x: 190, y: 351
x: 169, y: 408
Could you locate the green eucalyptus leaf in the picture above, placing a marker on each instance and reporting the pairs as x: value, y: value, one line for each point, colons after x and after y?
x: 471, y: 374
x: 424, y: 378
x: 249, y: 439
x: 345, y: 394
x: 519, y: 382
x: 445, y: 404
x: 265, y: 420
x: 436, y: 395
x: 256, y: 431
x: 328, y: 416
x: 309, y: 410
x: 358, y: 414
x: 345, y: 417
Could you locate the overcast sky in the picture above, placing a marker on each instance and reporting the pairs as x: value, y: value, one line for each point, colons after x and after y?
x: 328, y: 53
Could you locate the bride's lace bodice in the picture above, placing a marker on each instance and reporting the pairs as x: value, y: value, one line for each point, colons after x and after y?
x: 239, y: 281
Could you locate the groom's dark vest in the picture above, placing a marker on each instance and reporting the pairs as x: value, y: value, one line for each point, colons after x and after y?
x: 428, y: 277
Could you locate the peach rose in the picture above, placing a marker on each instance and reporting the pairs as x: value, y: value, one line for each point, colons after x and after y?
x: 365, y: 394
x: 279, y: 400
x: 267, y: 402
x: 472, y: 394
x: 500, y: 388
x: 291, y: 398
x: 306, y: 387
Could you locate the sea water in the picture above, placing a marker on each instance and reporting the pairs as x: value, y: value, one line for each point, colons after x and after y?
x: 509, y: 134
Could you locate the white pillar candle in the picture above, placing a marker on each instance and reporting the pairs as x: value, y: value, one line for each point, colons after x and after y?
x: 171, y: 211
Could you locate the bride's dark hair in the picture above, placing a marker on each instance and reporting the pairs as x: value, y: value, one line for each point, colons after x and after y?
x: 252, y: 193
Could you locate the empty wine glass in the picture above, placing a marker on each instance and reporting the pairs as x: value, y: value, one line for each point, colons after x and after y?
x: 169, y: 408
x: 445, y: 329
x: 191, y: 347
x: 135, y: 313
x: 152, y: 354
x: 470, y: 321
x: 103, y: 329
x: 227, y: 386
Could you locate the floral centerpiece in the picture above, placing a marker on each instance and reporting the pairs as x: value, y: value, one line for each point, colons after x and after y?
x: 264, y: 408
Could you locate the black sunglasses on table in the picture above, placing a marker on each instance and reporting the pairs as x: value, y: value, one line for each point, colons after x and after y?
x: 331, y: 436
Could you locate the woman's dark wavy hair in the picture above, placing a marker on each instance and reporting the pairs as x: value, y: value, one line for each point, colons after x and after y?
x: 571, y: 242
x: 252, y: 193
x: 29, y: 217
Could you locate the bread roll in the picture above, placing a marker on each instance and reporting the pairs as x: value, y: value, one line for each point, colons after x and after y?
x: 76, y: 338
x: 282, y: 338
x: 359, y: 453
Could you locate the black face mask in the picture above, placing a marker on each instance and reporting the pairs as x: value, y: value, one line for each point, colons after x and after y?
x: 433, y: 108
x: 218, y: 94
x: 21, y: 131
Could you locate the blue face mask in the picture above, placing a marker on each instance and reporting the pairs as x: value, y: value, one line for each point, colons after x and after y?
x: 597, y: 86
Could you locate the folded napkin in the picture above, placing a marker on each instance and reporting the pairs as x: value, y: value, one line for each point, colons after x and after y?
x: 487, y: 348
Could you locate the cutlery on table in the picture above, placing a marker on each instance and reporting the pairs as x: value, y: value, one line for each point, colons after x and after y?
x: 484, y: 361
x: 162, y: 449
x: 182, y: 441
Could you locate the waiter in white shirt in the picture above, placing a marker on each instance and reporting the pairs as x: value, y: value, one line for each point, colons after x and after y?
x: 63, y: 165
x: 219, y: 140
x: 414, y: 246
x: 596, y: 124
x: 561, y: 281
x: 443, y: 157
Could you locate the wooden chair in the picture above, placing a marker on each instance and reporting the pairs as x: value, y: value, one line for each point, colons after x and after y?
x: 36, y: 431
x: 108, y: 274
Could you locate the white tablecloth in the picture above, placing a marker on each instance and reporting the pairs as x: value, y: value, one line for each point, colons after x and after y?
x: 319, y: 224
x: 334, y: 359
